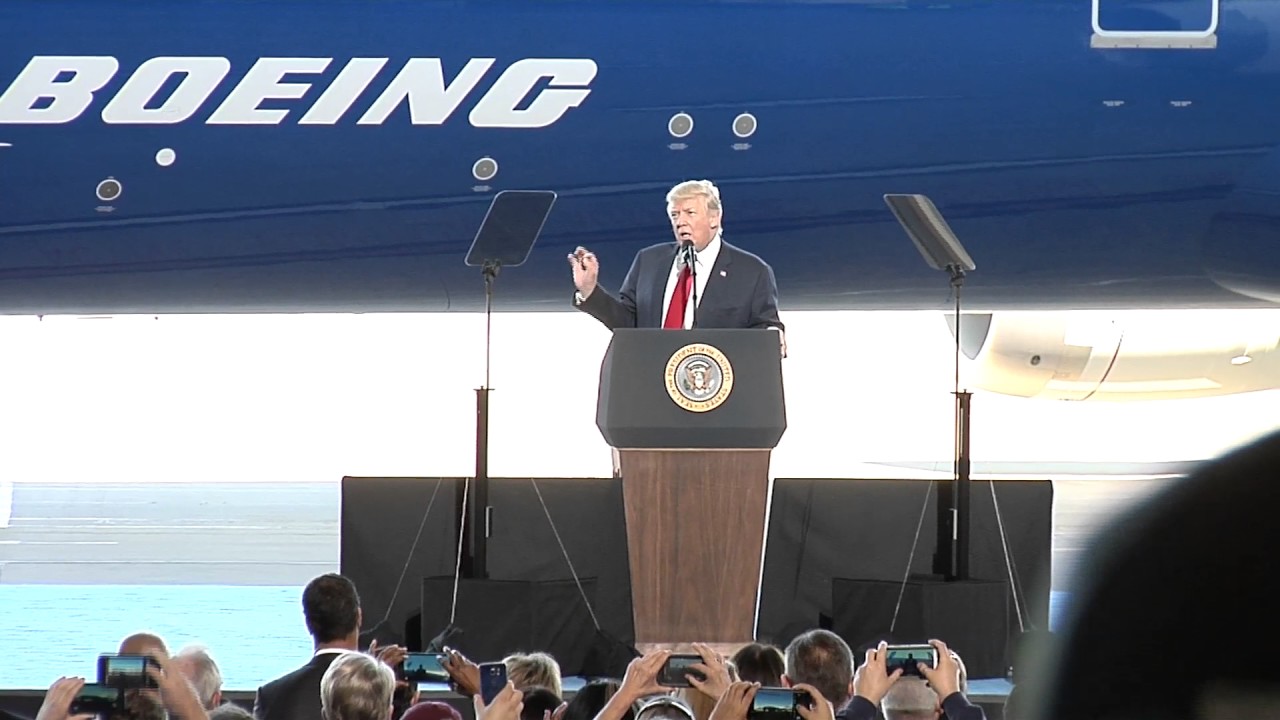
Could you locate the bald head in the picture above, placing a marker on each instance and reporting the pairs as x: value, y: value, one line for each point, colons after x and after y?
x: 142, y: 644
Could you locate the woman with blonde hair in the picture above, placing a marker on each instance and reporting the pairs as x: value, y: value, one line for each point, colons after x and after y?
x: 530, y: 670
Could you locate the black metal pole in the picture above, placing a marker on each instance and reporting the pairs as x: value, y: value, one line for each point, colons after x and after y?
x: 963, y: 407
x: 944, y: 555
x: 477, y: 507
x: 475, y: 555
x: 951, y: 558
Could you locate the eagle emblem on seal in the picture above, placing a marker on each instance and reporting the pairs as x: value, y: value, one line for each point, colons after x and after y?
x: 699, y: 377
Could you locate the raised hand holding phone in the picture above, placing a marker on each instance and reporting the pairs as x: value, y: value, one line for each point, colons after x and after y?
x: 58, y: 701
x: 493, y: 678
x: 814, y: 706
x: 465, y: 674
x: 736, y: 702
x: 873, y: 679
x: 507, y: 702
x: 944, y: 676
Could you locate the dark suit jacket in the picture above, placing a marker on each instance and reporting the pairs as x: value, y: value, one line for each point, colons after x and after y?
x: 295, y: 696
x: 741, y: 292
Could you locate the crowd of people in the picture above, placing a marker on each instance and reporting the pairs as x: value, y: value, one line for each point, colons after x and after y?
x: 343, y: 682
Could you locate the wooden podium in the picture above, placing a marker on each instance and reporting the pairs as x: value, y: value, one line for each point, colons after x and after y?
x: 694, y: 415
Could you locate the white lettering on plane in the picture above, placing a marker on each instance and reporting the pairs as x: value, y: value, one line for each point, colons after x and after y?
x: 56, y: 89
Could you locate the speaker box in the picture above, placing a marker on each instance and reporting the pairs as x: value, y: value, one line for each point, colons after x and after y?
x: 496, y: 618
x: 971, y: 616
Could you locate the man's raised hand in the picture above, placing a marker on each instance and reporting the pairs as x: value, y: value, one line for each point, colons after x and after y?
x: 872, y: 680
x: 586, y: 270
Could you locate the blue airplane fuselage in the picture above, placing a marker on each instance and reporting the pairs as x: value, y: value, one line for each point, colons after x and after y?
x: 336, y: 156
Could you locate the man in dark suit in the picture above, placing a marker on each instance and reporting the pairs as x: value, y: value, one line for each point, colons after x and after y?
x: 332, y: 610
x: 733, y: 288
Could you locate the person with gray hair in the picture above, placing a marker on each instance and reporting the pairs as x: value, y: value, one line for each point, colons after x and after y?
x: 200, y: 669
x: 356, y: 687
x: 911, y: 699
x: 938, y: 693
x: 726, y: 286
x: 230, y: 711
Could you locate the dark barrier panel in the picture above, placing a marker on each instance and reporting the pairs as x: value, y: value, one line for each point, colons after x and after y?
x: 381, y: 517
x: 818, y: 530
x: 973, y: 617
x: 821, y: 529
x: 502, y: 617
x: 588, y: 515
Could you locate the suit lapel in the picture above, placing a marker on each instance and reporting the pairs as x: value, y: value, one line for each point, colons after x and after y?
x: 719, y: 277
x: 659, y: 288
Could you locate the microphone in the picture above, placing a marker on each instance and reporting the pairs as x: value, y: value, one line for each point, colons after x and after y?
x: 688, y: 259
x: 686, y: 253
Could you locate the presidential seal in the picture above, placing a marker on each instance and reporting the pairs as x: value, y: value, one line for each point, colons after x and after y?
x: 699, y: 377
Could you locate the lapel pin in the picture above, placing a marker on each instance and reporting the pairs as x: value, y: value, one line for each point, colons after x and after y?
x: 724, y: 274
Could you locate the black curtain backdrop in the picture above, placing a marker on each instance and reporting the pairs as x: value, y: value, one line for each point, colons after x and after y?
x: 820, y: 529
x: 381, y: 516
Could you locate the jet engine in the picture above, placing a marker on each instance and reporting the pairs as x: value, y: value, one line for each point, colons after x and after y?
x: 1121, y: 356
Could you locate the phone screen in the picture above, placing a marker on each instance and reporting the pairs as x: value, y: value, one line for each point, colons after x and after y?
x: 493, y: 677
x: 677, y: 667
x: 125, y: 671
x: 775, y: 703
x: 425, y: 667
x: 906, y: 657
x: 96, y: 699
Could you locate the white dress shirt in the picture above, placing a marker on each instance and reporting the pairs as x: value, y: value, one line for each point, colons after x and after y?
x: 704, y: 260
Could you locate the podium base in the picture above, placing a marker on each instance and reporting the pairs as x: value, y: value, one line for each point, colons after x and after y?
x: 695, y: 531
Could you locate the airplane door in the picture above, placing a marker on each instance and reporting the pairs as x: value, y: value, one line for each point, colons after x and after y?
x: 1169, y: 24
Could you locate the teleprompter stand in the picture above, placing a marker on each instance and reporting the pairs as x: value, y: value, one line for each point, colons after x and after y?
x: 971, y: 615
x: 505, y: 239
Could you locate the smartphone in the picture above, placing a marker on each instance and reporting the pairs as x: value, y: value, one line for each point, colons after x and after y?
x: 778, y: 703
x: 906, y: 657
x: 425, y: 667
x: 96, y: 699
x: 126, y: 671
x: 493, y: 677
x: 673, y: 672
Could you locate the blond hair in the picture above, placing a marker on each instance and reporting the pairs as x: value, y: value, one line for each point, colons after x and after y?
x: 356, y: 687
x: 533, y: 670
x: 696, y: 188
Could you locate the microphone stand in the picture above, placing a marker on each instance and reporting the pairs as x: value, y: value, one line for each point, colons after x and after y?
x: 691, y: 259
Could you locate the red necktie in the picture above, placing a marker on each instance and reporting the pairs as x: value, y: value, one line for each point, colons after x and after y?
x: 679, y: 300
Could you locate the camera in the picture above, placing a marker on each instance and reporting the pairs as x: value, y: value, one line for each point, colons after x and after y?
x: 906, y: 657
